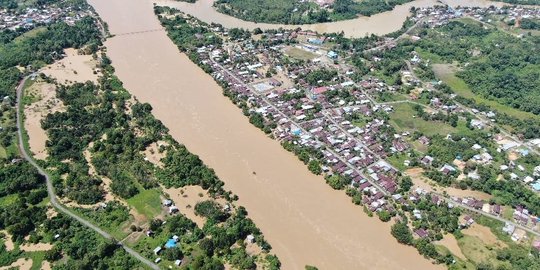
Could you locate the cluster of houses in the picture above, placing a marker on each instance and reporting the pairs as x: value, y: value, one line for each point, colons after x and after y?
x: 171, y: 243
x: 325, y: 116
x: 171, y: 208
x: 32, y: 17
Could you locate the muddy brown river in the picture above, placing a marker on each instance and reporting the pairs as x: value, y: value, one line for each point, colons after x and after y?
x: 304, y: 220
x: 379, y: 24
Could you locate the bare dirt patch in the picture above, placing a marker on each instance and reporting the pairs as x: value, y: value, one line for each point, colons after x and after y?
x: 21, y: 264
x: 36, y: 247
x: 92, y: 171
x: 186, y: 198
x: 45, y: 265
x: 7, y: 241
x: 72, y: 68
x: 449, y: 241
x: 51, y: 212
x: 153, y: 155
x: 253, y: 249
x: 484, y: 234
x: 46, y: 103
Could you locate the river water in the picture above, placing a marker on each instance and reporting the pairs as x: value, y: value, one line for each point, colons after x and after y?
x: 379, y: 24
x: 304, y: 220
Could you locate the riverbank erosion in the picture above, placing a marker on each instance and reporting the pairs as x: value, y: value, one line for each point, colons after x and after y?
x: 304, y: 220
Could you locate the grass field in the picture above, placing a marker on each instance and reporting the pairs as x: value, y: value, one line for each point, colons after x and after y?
x: 9, y: 199
x: 402, y: 119
x: 147, y: 202
x: 300, y: 54
x: 37, y: 259
x: 476, y: 251
x: 31, y: 33
x: 447, y: 74
x: 3, y: 153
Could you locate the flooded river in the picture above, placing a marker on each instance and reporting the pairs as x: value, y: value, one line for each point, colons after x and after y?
x: 379, y: 24
x: 304, y: 220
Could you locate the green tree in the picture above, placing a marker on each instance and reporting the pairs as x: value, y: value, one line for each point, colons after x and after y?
x: 402, y: 233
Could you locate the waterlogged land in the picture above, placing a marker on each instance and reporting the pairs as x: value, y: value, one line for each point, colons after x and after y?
x: 304, y: 220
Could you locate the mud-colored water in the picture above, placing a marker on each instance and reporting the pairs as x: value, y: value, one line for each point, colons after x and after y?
x: 379, y: 24
x: 304, y: 220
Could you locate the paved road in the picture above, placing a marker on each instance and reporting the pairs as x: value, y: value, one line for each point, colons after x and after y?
x: 50, y: 188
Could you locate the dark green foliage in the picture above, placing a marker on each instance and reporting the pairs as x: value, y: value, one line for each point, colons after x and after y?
x: 338, y: 181
x: 324, y: 75
x: 9, y: 78
x: 520, y: 257
x: 530, y: 24
x: 241, y: 260
x: 18, y: 177
x: 19, y: 218
x: 84, y: 249
x: 522, y: 2
x: 183, y: 168
x: 202, y: 262
x: 207, y: 246
x: 211, y: 210
x: 173, y: 254
x: 8, y: 257
x: 47, y: 45
x: 402, y: 233
x: 302, y: 12
x: 112, y: 215
x: 271, y: 11
x: 273, y: 262
x: 187, y: 37
x: 507, y: 68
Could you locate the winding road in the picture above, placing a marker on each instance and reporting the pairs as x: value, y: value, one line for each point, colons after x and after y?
x: 50, y: 188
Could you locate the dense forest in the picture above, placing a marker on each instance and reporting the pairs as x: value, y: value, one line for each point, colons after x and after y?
x: 503, y: 67
x: 302, y: 12
x: 530, y: 24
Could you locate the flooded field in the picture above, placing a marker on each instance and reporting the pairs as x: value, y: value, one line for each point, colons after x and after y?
x: 379, y: 24
x: 46, y: 103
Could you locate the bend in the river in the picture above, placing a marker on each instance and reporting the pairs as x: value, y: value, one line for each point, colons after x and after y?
x: 378, y: 24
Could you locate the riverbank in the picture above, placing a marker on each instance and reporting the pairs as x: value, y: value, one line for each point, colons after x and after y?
x: 378, y: 24
x: 294, y: 208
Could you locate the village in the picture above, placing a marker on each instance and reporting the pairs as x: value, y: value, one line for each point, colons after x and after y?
x: 317, y: 104
x: 30, y: 18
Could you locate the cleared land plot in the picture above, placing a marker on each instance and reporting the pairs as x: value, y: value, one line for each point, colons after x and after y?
x: 449, y: 241
x: 300, y: 54
x: 147, y: 202
x: 402, y: 119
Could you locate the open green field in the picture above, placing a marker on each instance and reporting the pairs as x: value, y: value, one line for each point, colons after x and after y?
x: 147, y: 202
x: 476, y: 251
x: 3, y: 153
x: 447, y: 74
x: 9, y: 199
x: 402, y: 119
x: 37, y: 258
x: 300, y: 54
x: 31, y: 33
